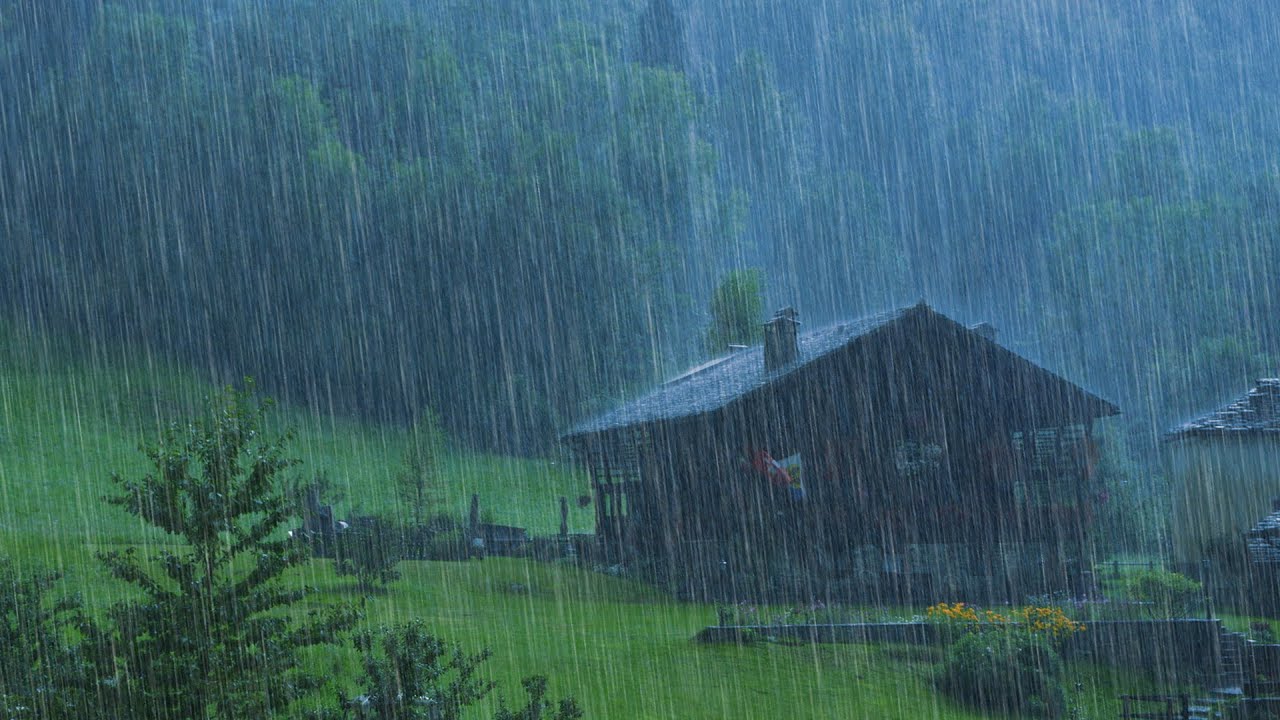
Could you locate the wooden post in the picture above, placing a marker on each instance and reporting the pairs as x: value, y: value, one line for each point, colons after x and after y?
x: 604, y: 525
x: 598, y: 489
x: 564, y: 517
x: 1084, y: 499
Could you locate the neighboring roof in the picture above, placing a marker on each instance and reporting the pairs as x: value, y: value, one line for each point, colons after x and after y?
x: 713, y: 385
x: 1256, y: 413
x: 1261, y: 540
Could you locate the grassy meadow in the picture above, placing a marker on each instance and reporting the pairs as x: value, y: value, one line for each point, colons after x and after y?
x: 622, y: 649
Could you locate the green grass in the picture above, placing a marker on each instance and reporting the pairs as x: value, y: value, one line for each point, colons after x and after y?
x: 622, y: 649
x: 362, y: 462
x: 64, y: 429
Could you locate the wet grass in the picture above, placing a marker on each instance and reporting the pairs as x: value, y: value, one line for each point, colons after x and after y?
x: 65, y: 428
x: 622, y: 649
x: 1256, y: 628
x: 625, y: 650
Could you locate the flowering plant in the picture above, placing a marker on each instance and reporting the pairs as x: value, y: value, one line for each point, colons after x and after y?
x: 1051, y: 623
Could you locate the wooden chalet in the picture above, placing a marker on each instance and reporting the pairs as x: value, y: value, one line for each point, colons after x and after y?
x: 897, y: 454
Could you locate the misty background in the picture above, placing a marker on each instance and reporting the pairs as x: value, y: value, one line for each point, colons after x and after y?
x: 515, y: 213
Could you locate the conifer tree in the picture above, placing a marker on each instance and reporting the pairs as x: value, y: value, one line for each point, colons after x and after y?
x: 206, y: 636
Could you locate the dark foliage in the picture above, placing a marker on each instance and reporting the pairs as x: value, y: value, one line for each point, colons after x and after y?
x: 42, y: 675
x: 662, y: 41
x: 369, y: 550
x: 1165, y: 594
x: 737, y: 311
x: 1008, y: 672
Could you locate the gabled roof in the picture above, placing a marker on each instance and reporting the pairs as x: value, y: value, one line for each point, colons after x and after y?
x: 1257, y: 412
x: 715, y: 384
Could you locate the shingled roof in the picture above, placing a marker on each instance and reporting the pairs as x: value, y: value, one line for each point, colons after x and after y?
x: 1263, y: 540
x: 715, y: 384
x: 1256, y: 413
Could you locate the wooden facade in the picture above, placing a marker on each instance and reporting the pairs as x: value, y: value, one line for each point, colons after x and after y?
x: 931, y: 460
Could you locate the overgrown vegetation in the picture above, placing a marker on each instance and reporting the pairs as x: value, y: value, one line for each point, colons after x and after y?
x: 1013, y: 674
x: 369, y: 549
x: 737, y: 311
x: 409, y: 674
x: 1005, y: 661
x: 1165, y: 594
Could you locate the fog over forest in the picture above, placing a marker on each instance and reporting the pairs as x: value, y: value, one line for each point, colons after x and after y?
x: 516, y: 213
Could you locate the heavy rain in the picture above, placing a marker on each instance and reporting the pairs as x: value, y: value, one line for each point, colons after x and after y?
x: 553, y: 359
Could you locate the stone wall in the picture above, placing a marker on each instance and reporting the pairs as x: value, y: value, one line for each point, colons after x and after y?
x: 1171, y: 649
x: 1168, y: 648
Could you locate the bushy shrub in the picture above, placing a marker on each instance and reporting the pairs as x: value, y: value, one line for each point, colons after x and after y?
x: 1167, y: 594
x: 739, y: 614
x: 1005, y: 672
x: 370, y: 549
x: 409, y: 674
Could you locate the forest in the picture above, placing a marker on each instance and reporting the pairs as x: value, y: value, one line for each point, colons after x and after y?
x: 516, y: 213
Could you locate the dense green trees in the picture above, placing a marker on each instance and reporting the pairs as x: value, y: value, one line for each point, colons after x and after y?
x: 514, y: 214
x: 363, y: 201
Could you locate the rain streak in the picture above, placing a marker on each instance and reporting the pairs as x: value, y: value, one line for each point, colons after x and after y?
x: 559, y: 359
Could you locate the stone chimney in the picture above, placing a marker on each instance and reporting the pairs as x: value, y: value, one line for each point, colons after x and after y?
x: 780, y: 345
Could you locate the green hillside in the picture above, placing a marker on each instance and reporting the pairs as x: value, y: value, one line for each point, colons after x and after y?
x: 65, y: 427
x: 621, y: 648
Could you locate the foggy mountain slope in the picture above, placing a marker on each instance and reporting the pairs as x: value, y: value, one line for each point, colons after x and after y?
x: 515, y: 212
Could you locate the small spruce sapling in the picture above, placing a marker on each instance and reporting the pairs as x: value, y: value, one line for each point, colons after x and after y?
x: 207, y: 636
